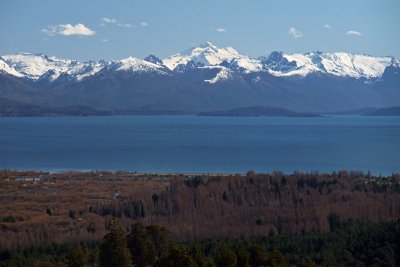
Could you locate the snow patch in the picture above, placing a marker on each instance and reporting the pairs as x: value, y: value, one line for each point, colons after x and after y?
x: 35, y: 66
x: 247, y: 65
x: 338, y: 64
x: 357, y: 66
x: 4, y: 67
x: 223, y: 75
x: 207, y: 54
x: 137, y: 65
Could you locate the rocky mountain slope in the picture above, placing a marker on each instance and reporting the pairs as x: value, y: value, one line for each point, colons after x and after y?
x: 204, y: 78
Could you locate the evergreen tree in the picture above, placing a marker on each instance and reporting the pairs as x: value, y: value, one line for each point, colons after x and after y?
x: 276, y: 259
x: 334, y: 221
x: 76, y: 257
x: 258, y: 256
x: 198, y: 255
x: 113, y: 250
x: 307, y: 263
x: 225, y: 257
x: 141, y: 246
x: 178, y: 256
x: 161, y: 238
x: 241, y: 256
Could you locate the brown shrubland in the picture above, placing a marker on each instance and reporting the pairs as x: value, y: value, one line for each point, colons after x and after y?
x: 40, y: 208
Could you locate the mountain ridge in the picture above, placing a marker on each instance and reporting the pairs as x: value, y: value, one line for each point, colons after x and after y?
x: 33, y: 66
x: 204, y: 79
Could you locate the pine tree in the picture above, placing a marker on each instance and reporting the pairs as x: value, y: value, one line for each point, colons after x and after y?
x: 76, y: 257
x: 198, y: 255
x: 225, y: 257
x: 178, y: 256
x: 141, y: 246
x: 113, y: 250
x: 241, y: 256
x: 258, y: 256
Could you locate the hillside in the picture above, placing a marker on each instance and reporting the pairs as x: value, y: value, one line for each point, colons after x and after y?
x: 392, y: 111
x: 256, y: 112
x: 77, y: 206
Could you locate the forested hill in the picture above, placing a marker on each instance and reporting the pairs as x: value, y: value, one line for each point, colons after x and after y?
x: 256, y: 111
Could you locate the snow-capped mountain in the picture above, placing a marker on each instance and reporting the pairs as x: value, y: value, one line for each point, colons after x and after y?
x: 338, y: 64
x: 136, y: 65
x: 40, y: 67
x: 280, y: 64
x: 34, y: 67
x: 206, y: 54
x: 223, y: 74
x: 204, y: 78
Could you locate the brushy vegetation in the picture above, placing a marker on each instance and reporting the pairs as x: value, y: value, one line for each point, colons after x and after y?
x: 302, y: 219
x: 349, y: 243
x: 63, y: 208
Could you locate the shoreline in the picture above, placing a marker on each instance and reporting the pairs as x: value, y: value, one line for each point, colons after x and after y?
x: 322, y: 115
x: 189, y: 174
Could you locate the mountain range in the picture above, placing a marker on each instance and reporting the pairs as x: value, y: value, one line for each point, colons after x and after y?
x: 200, y: 79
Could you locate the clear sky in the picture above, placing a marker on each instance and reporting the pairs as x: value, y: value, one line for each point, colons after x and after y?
x: 95, y: 30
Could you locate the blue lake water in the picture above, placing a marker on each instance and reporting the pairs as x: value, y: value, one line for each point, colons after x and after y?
x: 201, y: 144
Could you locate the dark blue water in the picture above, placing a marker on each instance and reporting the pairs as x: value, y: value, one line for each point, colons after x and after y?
x: 201, y: 144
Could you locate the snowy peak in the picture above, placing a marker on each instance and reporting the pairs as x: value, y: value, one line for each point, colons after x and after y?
x: 200, y: 48
x: 280, y: 64
x: 206, y: 54
x: 138, y: 66
x: 39, y: 66
x: 155, y: 60
x: 245, y: 65
x: 44, y: 68
x: 277, y: 61
x: 357, y: 66
x: 33, y: 66
x: 208, y: 45
x: 5, y: 68
x: 222, y: 75
x: 338, y: 64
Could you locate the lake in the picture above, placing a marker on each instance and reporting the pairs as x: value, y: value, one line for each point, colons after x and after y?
x: 201, y: 144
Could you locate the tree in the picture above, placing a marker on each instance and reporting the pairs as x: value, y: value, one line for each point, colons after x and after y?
x: 225, y: 257
x: 276, y: 259
x: 308, y: 262
x: 241, y: 256
x: 178, y: 256
x: 334, y: 221
x: 155, y: 197
x: 76, y: 257
x: 149, y: 244
x: 258, y: 256
x: 113, y: 250
x: 161, y: 239
x: 198, y: 255
x: 141, y: 246
x: 72, y: 214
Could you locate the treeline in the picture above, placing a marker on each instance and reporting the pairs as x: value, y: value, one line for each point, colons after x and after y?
x: 348, y: 243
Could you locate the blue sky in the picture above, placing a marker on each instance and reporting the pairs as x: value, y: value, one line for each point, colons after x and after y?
x: 95, y: 30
